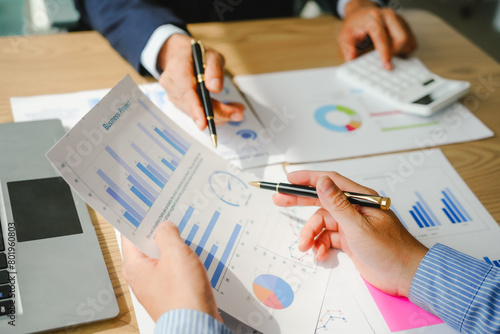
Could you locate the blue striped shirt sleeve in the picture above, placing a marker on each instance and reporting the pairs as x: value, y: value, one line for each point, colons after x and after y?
x: 461, y: 290
x: 189, y: 322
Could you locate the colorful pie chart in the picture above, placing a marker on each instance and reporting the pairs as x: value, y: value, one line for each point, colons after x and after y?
x: 337, y: 118
x: 273, y: 291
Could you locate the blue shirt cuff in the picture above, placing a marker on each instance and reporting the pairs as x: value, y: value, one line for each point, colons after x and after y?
x: 461, y: 290
x: 189, y: 322
x: 342, y: 3
x: 149, y: 55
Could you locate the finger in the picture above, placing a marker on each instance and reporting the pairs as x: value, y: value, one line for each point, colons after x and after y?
x: 134, y: 261
x: 321, y: 246
x: 319, y: 221
x: 399, y: 32
x: 311, y: 178
x: 380, y: 38
x: 214, y: 72
x: 285, y: 200
x: 411, y: 42
x: 347, y: 43
x: 192, y: 106
x: 178, y: 82
x: 168, y: 240
x: 337, y: 204
x: 130, y: 253
x: 225, y: 112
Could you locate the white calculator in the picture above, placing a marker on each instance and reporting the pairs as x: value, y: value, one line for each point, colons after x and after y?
x: 409, y: 86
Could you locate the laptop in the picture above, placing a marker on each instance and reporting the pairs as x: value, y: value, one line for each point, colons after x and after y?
x: 52, y: 271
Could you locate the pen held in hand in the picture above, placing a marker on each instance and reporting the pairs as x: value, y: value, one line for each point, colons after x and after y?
x: 298, y: 190
x: 199, y: 70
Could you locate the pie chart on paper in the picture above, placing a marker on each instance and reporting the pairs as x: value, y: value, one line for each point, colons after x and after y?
x: 337, y: 118
x: 273, y: 291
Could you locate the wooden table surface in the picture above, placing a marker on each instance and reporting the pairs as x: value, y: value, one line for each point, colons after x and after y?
x: 73, y: 62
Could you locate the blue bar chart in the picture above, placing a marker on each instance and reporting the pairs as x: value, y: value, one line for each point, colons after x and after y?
x: 141, y: 170
x: 422, y: 213
x: 213, y: 258
x: 453, y: 209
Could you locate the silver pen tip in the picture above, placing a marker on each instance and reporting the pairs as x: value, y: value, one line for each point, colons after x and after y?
x: 214, y: 140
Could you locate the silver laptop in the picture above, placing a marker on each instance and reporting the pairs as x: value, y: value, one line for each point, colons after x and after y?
x: 52, y: 272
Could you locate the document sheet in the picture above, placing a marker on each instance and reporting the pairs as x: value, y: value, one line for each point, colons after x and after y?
x: 243, y: 143
x: 326, y: 118
x: 136, y: 167
x: 436, y: 206
x: 300, y: 116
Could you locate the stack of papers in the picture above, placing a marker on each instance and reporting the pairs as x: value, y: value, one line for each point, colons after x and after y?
x: 131, y: 158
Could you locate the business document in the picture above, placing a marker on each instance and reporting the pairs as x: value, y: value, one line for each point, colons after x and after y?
x: 137, y: 168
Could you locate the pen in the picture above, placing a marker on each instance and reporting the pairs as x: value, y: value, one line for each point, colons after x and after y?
x: 199, y: 70
x: 298, y: 190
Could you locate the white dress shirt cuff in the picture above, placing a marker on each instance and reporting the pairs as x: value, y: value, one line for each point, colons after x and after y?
x: 342, y: 3
x: 149, y: 55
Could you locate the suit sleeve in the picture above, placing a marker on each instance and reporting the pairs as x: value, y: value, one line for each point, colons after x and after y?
x: 127, y: 24
x: 337, y: 6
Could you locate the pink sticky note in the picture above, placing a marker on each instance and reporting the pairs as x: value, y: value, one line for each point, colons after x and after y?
x: 399, y: 313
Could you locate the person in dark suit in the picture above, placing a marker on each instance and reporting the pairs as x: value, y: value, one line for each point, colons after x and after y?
x: 152, y: 35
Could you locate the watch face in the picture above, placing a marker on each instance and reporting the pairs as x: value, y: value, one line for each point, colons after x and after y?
x: 228, y: 188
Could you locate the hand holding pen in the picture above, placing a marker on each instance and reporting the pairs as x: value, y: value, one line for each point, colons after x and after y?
x: 372, y: 201
x: 175, y: 62
x: 199, y: 63
x: 382, y: 249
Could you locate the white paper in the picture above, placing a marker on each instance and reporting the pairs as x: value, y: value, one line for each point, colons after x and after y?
x: 419, y: 181
x: 326, y: 118
x: 69, y: 107
x: 137, y: 168
x: 244, y: 143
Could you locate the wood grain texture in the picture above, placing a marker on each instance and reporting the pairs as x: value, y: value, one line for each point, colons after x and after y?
x: 81, y: 61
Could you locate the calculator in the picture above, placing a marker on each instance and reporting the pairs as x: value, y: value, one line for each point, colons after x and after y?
x: 409, y: 86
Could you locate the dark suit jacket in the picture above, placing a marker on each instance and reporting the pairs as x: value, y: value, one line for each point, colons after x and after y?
x: 128, y: 24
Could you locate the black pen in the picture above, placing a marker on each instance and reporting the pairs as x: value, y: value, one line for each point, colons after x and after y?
x: 199, y: 71
x: 298, y: 190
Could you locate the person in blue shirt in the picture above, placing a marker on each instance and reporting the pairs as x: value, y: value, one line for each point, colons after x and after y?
x: 461, y: 290
x: 152, y: 35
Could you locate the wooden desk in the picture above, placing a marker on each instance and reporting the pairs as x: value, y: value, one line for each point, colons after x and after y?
x: 82, y: 61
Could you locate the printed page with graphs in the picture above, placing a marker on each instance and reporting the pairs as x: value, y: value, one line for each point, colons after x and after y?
x: 349, y: 121
x: 436, y: 206
x: 137, y: 168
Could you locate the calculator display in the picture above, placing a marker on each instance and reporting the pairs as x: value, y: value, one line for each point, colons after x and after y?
x: 442, y: 90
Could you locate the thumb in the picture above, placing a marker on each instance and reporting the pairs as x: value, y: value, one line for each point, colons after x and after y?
x: 168, y: 238
x: 337, y: 204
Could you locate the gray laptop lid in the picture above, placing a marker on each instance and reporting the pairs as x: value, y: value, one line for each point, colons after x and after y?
x: 57, y: 274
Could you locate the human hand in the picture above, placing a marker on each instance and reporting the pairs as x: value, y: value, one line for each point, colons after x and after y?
x: 384, y: 252
x: 178, y: 80
x: 388, y: 31
x: 177, y: 280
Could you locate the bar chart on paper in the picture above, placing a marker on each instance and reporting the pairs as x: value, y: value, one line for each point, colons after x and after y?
x: 130, y: 176
x: 437, y: 207
x: 214, y: 253
x: 440, y: 206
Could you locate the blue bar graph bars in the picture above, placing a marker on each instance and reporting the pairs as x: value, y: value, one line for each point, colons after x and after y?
x: 225, y: 256
x: 146, y: 174
x: 495, y: 263
x: 207, y: 233
x: 455, y: 212
x: 185, y: 219
x: 422, y: 213
x: 219, y: 262
x: 168, y: 134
